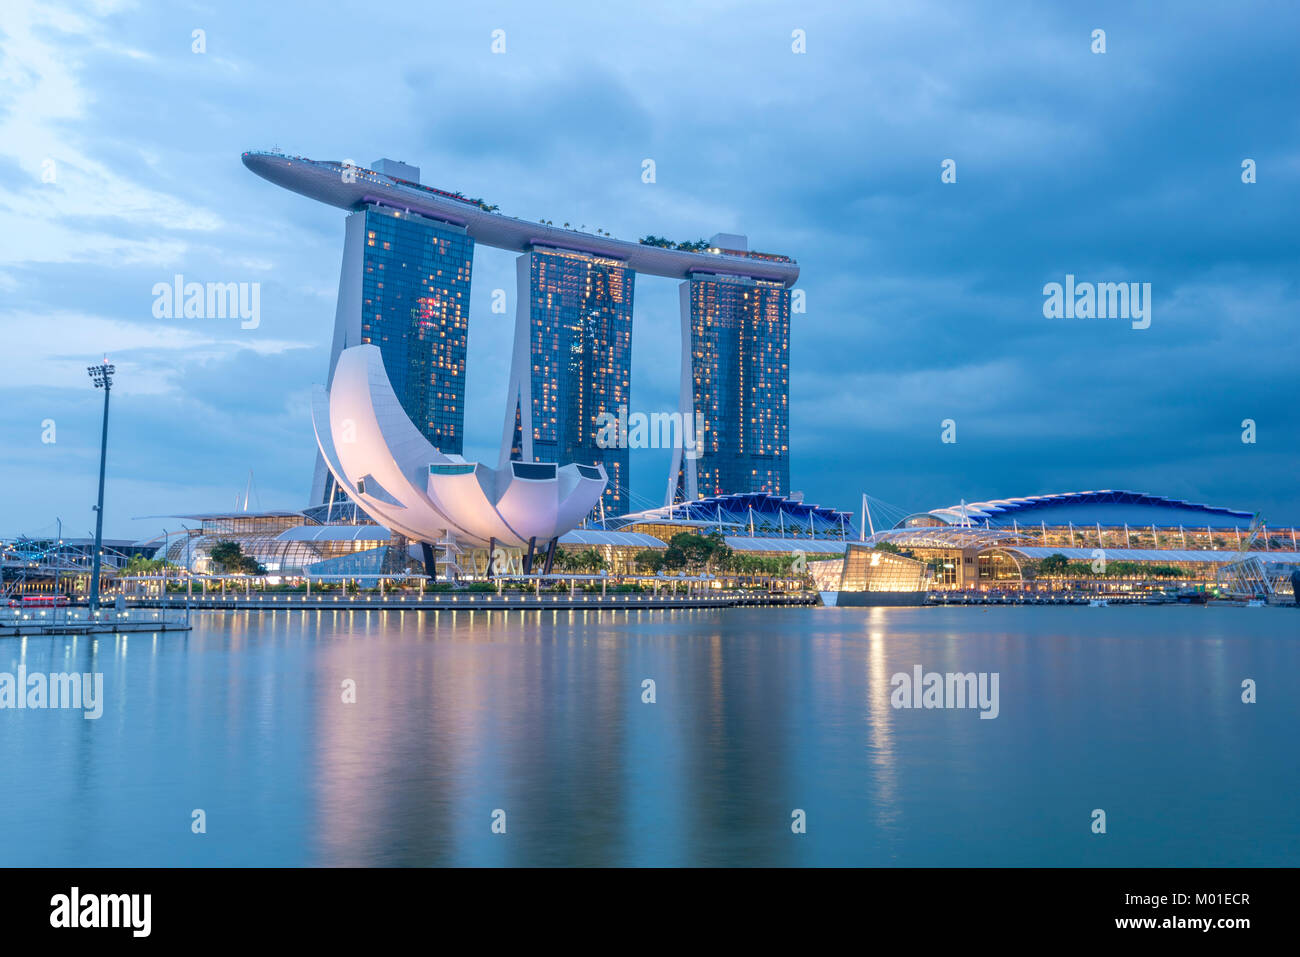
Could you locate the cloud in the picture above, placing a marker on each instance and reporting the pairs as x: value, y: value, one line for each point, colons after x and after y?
x: 924, y: 299
x: 61, y: 187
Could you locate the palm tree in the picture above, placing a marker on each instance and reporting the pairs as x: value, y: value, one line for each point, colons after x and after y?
x: 591, y: 560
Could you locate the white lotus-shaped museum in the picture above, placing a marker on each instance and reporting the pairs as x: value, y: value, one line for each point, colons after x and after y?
x: 400, y: 480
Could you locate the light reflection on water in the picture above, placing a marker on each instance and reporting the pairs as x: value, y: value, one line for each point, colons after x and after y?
x: 758, y: 712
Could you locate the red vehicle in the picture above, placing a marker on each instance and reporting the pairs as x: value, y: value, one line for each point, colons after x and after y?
x: 39, y: 601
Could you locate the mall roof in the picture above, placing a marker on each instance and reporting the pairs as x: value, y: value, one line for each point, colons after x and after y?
x: 769, y: 515
x: 1151, y: 554
x: 945, y: 536
x: 600, y: 536
x: 334, y: 533
x: 67, y: 542
x: 214, y: 516
x: 1106, y: 507
x: 808, y: 546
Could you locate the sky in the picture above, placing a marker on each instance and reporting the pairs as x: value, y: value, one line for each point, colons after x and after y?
x: 120, y: 168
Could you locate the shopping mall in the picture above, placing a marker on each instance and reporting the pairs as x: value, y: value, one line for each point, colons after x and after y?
x: 1070, y: 541
x: 1038, y: 542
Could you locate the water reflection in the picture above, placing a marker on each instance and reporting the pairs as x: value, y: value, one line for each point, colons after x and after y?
x: 758, y: 712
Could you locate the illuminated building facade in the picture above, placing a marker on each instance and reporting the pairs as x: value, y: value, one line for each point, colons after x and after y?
x: 572, y: 363
x: 415, y: 307
x: 736, y: 372
x: 571, y: 358
x: 404, y: 287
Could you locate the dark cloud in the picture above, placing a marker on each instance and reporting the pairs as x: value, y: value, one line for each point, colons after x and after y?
x: 924, y: 299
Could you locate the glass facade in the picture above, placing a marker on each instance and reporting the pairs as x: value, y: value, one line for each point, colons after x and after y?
x: 415, y: 307
x: 580, y: 361
x: 870, y: 569
x: 740, y: 364
x: 259, y: 537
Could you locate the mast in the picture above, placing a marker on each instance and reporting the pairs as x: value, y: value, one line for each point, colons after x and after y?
x: 866, y: 520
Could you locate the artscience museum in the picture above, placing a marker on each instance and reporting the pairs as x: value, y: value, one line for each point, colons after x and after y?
x: 444, y: 502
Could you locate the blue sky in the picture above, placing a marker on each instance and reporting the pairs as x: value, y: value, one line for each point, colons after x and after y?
x: 924, y: 299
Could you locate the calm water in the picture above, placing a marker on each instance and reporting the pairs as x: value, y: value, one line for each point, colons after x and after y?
x: 1136, y: 711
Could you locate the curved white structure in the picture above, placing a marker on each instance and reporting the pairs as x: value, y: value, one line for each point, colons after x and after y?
x: 352, y: 187
x: 402, y: 482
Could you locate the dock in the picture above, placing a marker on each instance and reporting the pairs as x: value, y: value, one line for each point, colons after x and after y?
x: 71, y: 620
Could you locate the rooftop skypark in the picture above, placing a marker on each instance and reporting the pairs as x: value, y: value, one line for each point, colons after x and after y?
x: 351, y: 187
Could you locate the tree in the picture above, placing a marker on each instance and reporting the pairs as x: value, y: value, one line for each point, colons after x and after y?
x: 693, y: 547
x: 719, y: 552
x: 1054, y: 564
x: 139, y: 565
x: 649, y: 560
x: 1166, y: 571
x: 588, y: 560
x: 687, y: 550
x: 894, y: 549
x: 229, y: 558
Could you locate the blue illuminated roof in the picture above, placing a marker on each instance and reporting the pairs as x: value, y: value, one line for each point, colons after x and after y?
x: 756, y: 514
x: 1105, y: 507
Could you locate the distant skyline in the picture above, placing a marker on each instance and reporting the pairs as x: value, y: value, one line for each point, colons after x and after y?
x: 925, y: 299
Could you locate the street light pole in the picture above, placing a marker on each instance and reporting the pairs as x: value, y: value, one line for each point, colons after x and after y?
x: 102, y: 376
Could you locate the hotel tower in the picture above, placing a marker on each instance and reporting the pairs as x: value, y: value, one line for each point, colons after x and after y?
x: 404, y: 287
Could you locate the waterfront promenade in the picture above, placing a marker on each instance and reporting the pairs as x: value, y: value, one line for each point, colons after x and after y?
x: 467, y: 601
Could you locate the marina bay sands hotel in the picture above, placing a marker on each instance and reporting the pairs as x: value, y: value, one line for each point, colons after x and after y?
x: 408, y: 253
